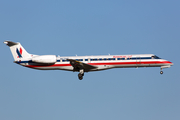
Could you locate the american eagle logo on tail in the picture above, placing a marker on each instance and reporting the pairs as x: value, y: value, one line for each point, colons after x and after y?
x: 19, y: 52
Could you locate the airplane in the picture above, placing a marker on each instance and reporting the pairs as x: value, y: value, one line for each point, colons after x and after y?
x: 84, y: 64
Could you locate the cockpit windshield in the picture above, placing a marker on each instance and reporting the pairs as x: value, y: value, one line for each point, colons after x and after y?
x: 155, y: 57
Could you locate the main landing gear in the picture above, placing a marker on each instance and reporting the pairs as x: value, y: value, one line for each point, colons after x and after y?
x: 81, y: 74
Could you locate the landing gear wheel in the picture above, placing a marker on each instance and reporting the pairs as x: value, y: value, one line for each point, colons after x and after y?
x: 161, y: 72
x: 80, y: 76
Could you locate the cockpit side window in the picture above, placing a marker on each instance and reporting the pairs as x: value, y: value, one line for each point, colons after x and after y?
x: 155, y: 57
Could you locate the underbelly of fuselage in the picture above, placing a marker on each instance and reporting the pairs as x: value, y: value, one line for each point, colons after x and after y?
x: 68, y: 67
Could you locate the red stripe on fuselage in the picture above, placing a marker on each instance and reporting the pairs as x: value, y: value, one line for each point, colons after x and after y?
x: 108, y: 63
x: 55, y: 65
x: 138, y: 62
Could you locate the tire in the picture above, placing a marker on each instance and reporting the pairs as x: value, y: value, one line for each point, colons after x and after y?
x: 80, y: 76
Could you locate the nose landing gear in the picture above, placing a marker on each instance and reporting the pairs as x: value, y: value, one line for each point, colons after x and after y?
x: 166, y: 66
x: 161, y: 72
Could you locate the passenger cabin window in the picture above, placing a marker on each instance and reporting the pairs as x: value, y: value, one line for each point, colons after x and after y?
x: 111, y: 58
x: 64, y: 60
x: 94, y: 59
x: 79, y: 59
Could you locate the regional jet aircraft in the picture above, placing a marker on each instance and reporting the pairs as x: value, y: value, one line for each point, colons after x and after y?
x: 83, y: 64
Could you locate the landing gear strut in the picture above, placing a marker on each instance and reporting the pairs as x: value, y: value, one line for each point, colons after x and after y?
x: 161, y: 72
x: 81, y: 74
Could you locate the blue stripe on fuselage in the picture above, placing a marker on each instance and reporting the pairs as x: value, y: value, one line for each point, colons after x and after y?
x: 134, y: 58
x: 30, y: 61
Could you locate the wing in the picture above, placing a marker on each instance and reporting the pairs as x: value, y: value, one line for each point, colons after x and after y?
x: 80, y: 65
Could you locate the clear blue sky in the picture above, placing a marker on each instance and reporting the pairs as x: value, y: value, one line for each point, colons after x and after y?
x: 95, y: 27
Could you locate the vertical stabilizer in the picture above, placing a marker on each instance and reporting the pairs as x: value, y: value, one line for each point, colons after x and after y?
x: 17, y: 50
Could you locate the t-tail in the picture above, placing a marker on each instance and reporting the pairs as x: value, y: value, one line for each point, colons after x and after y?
x: 18, y: 51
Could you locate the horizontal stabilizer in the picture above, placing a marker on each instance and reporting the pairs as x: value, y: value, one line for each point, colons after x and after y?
x: 10, y: 43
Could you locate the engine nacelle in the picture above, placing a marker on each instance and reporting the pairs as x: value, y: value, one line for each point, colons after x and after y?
x: 46, y: 59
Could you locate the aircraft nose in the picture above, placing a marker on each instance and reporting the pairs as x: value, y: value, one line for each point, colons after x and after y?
x: 170, y: 63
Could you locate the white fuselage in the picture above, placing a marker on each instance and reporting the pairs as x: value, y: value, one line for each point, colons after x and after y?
x: 83, y: 64
x: 101, y: 62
